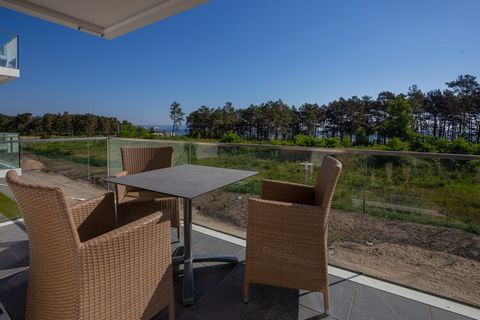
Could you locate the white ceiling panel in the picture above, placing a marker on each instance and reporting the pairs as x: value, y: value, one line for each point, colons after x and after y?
x: 106, y: 18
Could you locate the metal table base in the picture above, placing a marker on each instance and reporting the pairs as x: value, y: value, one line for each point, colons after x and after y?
x: 183, y: 255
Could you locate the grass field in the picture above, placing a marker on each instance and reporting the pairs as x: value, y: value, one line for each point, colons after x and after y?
x: 8, y: 208
x: 76, y: 151
x: 427, y: 191
x: 422, y: 190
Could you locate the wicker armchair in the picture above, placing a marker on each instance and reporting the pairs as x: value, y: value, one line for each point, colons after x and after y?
x: 141, y: 159
x: 81, y: 267
x: 287, y: 234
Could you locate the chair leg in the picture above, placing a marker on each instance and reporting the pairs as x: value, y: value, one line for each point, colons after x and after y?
x: 326, y: 301
x: 171, y: 310
x: 246, y: 292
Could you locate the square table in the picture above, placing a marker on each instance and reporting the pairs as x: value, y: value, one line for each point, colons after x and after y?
x: 187, y: 182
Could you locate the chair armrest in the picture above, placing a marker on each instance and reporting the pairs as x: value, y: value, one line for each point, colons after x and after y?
x: 94, y: 217
x: 120, y: 189
x: 288, y: 192
x: 130, y: 262
x: 133, y: 210
x: 285, y: 220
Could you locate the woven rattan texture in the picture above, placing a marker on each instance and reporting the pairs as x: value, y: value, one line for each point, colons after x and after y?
x: 287, y: 233
x: 142, y: 159
x: 82, y: 268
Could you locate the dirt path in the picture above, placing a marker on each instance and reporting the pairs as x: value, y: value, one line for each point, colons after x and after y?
x: 74, y: 189
x: 50, y: 173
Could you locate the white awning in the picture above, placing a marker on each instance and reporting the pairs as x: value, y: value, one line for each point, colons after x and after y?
x: 106, y: 18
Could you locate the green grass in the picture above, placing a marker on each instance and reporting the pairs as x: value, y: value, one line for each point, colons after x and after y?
x: 450, y: 187
x: 8, y: 207
x: 75, y: 151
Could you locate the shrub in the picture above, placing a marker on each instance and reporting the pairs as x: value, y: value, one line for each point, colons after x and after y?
x: 423, y: 143
x: 346, y: 141
x: 396, y: 144
x: 460, y: 145
x: 361, y: 138
x: 306, y: 141
x: 330, y: 142
x: 444, y: 145
x: 231, y: 137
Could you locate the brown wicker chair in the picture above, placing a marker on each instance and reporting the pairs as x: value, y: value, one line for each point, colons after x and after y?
x: 81, y: 267
x: 141, y: 159
x: 287, y: 234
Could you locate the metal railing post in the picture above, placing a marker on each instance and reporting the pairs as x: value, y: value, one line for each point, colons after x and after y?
x: 189, y: 153
x: 365, y: 177
x: 88, y: 162
x: 108, y: 161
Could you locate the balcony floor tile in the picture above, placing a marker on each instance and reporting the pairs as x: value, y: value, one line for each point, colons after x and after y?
x: 218, y: 289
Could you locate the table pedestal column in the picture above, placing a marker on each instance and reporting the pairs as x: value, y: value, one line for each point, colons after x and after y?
x: 188, y: 294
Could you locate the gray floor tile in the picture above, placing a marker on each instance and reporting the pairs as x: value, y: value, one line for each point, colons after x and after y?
x: 341, y: 298
x: 407, y: 309
x: 292, y: 310
x: 14, y: 254
x: 225, y: 302
x: 368, y: 304
x: 188, y: 315
x: 13, y: 232
x: 241, y: 255
x: 13, y: 292
x: 217, y: 247
x: 219, y: 290
x: 439, y: 314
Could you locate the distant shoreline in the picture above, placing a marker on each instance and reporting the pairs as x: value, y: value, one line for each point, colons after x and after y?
x: 181, y: 131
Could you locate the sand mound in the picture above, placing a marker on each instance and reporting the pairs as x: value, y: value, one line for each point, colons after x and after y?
x: 30, y: 164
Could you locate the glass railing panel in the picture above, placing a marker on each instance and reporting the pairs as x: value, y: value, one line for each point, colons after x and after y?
x: 8, y: 50
x: 403, y: 218
x: 420, y: 223
x: 9, y: 160
x: 84, y: 160
x: 9, y: 151
x: 180, y: 154
x: 78, y: 166
x: 347, y: 209
x: 226, y: 209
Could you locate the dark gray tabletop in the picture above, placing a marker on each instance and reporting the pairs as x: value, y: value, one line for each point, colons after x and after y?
x: 185, y: 181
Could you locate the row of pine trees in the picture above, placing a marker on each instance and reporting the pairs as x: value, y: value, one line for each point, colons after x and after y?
x: 450, y: 113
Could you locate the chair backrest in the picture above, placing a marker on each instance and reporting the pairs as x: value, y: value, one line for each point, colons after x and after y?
x: 141, y: 159
x: 327, y: 181
x: 53, y: 241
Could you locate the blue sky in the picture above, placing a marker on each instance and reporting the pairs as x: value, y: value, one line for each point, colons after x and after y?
x: 246, y: 52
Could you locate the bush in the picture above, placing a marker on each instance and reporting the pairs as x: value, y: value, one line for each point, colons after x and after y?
x: 306, y: 141
x: 396, y: 144
x: 423, y: 143
x: 330, y: 142
x: 361, y: 137
x: 346, y: 141
x: 444, y: 145
x: 460, y: 145
x: 231, y: 137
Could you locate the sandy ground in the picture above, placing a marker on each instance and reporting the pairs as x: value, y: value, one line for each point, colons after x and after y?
x: 442, y: 261
x: 36, y: 172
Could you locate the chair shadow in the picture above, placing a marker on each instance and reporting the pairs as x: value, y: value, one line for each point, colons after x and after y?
x: 14, y: 254
x: 20, y: 225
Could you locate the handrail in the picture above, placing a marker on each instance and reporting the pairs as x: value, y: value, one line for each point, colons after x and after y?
x: 452, y: 156
x: 333, y: 151
x: 61, y: 139
x: 8, y: 32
